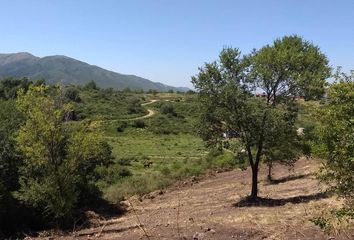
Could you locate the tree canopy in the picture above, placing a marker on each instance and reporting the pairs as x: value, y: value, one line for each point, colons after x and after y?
x: 338, y: 135
x: 286, y: 69
x: 60, y: 156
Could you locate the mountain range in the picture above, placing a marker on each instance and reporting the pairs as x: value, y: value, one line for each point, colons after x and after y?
x: 68, y: 70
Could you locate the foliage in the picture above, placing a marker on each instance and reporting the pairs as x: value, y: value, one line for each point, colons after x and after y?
x: 123, y: 125
x: 338, y: 135
x: 286, y: 68
x: 167, y: 108
x: 10, y: 86
x: 107, y: 104
x: 91, y: 85
x: 134, y: 106
x: 139, y: 123
x: 283, y: 70
x: 60, y: 156
x: 72, y: 94
x: 10, y: 160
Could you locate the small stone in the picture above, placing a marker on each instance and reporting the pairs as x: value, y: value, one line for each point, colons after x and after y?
x: 198, y: 236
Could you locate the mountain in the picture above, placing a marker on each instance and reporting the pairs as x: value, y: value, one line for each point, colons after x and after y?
x: 67, y: 70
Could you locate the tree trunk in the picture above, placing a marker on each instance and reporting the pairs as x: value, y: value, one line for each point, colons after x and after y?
x: 254, y: 192
x: 270, y: 165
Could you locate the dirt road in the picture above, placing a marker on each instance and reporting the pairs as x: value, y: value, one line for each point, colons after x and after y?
x: 150, y: 111
x: 212, y: 208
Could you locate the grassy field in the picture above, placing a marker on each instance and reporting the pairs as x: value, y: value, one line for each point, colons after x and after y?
x: 153, y: 152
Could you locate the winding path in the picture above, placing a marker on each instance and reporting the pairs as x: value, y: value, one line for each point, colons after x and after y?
x: 150, y: 111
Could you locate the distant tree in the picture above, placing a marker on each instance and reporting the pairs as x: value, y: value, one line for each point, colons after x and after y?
x: 91, y: 85
x: 40, y: 81
x: 108, y: 91
x: 127, y: 90
x: 167, y: 108
x: 59, y: 156
x: 134, y: 106
x: 170, y: 91
x: 139, y: 123
x: 338, y: 134
x: 283, y: 70
x: 10, y: 86
x: 72, y: 94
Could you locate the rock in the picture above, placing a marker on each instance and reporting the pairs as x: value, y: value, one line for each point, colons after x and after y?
x: 210, y: 230
x: 198, y: 236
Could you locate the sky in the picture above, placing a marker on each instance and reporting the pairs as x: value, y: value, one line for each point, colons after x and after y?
x: 165, y: 40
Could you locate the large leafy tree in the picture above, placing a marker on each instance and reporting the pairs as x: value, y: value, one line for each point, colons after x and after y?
x: 283, y: 70
x: 338, y: 135
x: 60, y: 156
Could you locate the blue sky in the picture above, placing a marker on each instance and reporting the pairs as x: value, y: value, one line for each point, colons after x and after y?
x: 167, y: 41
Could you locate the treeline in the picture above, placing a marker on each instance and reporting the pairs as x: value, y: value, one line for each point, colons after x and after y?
x: 47, y: 163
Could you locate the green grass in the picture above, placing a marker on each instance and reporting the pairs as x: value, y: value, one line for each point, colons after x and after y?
x: 154, y: 153
x: 133, y: 142
x: 109, y: 105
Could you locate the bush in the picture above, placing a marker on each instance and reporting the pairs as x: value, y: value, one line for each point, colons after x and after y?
x: 60, y: 157
x: 112, y: 174
x: 162, y: 125
x: 139, y: 124
x: 91, y: 85
x: 134, y: 106
x: 122, y: 126
x: 72, y: 94
x: 167, y: 108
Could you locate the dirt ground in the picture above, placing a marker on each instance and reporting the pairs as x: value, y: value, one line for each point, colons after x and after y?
x: 213, y: 208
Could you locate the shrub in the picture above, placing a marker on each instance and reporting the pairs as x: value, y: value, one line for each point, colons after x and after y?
x: 139, y: 124
x: 72, y: 94
x: 122, y: 126
x: 91, y: 85
x: 134, y: 106
x: 167, y: 108
x: 60, y: 157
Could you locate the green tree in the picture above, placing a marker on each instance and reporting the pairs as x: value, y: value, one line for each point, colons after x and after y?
x: 290, y: 67
x: 226, y: 90
x: 59, y: 156
x: 167, y: 108
x: 10, y: 86
x: 91, y: 85
x: 10, y: 160
x: 338, y: 134
x: 72, y: 94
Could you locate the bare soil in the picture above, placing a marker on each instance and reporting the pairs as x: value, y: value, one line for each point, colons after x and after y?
x: 214, y: 207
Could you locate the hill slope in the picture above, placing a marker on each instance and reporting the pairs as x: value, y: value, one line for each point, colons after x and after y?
x: 71, y: 71
x: 213, y: 209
